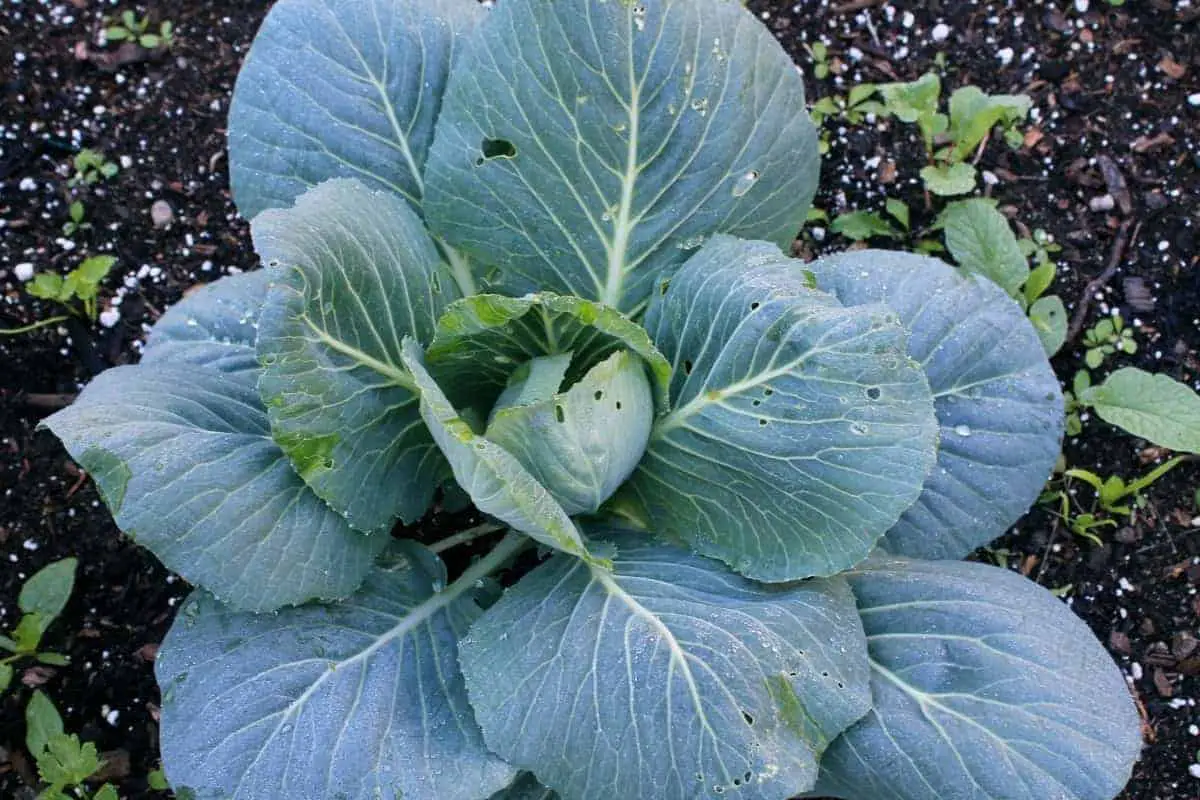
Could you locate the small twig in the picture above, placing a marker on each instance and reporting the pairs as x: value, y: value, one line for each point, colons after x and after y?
x: 31, y: 327
x: 1124, y: 239
x: 854, y: 5
x: 462, y: 537
x: 982, y: 146
x: 1046, y: 553
x: 51, y: 402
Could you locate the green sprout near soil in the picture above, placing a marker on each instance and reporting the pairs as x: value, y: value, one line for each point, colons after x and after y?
x: 76, y: 293
x: 91, y: 167
x: 951, y: 137
x: 77, y: 221
x: 819, y: 53
x: 41, y: 600
x: 64, y: 763
x: 132, y: 28
x: 1106, y: 338
x: 1113, y: 497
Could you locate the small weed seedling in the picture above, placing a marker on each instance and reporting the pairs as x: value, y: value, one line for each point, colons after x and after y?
x: 950, y: 139
x: 820, y: 56
x: 1112, y: 492
x: 132, y: 28
x: 64, y: 763
x: 77, y: 221
x: 76, y: 293
x: 91, y: 167
x: 1107, y: 337
x: 41, y: 600
x: 1084, y: 524
x: 859, y: 226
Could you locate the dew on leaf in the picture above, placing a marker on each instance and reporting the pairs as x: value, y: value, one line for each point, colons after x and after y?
x: 745, y: 183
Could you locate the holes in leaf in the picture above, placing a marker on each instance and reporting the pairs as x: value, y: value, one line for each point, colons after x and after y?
x: 767, y: 392
x: 329, y: 463
x: 491, y: 149
x: 762, y: 423
x: 754, y: 306
x: 756, y: 402
x: 560, y: 414
x: 873, y: 393
x: 599, y: 395
x: 749, y: 719
x: 687, y: 367
x: 618, y: 405
x: 435, y: 283
x: 662, y: 287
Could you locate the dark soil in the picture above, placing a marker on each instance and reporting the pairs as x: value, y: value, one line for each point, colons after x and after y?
x: 1108, y: 83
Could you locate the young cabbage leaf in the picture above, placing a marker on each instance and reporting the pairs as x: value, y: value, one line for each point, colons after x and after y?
x: 585, y: 147
x: 668, y: 677
x: 356, y: 700
x: 342, y: 89
x: 354, y: 274
x: 183, y: 457
x: 998, y: 403
x: 799, y: 430
x: 985, y: 686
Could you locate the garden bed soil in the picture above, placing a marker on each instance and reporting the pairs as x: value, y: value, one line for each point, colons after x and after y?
x: 1109, y: 83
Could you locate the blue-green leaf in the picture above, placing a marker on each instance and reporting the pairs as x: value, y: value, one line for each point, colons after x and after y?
x: 215, y: 326
x: 356, y: 273
x: 585, y: 147
x: 341, y: 89
x: 668, y: 678
x: 998, y: 402
x: 358, y: 700
x: 986, y: 687
x: 799, y: 430
x: 184, y: 459
x: 494, y: 479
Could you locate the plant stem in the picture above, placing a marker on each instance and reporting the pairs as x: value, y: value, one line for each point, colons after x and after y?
x: 460, y: 266
x: 32, y: 327
x: 462, y: 537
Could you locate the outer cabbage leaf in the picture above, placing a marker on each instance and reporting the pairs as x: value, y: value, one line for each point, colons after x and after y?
x: 584, y: 443
x: 799, y: 430
x: 585, y: 147
x: 360, y: 700
x: 495, y: 480
x: 356, y: 273
x: 668, y: 678
x: 986, y: 687
x: 214, y: 326
x: 184, y: 459
x: 341, y: 89
x: 482, y: 339
x: 998, y: 402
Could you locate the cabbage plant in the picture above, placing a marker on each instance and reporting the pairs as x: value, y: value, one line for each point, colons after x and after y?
x: 531, y: 256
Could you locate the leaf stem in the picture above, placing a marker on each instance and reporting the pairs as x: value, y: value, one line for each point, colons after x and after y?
x: 501, y: 554
x: 460, y: 266
x: 462, y: 537
x: 32, y: 327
